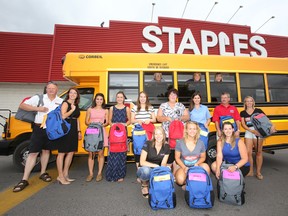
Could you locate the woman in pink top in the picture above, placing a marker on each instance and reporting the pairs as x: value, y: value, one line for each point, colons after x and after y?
x: 97, y: 113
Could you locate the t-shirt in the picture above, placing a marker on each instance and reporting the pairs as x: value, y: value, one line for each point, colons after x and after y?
x: 189, y: 158
x: 51, y: 105
x: 143, y: 114
x: 152, y: 155
x: 200, y: 115
x: 229, y: 110
x: 247, y: 117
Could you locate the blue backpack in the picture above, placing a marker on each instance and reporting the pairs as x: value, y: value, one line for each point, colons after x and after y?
x: 204, y: 134
x: 139, y: 138
x: 56, y: 127
x: 94, y: 138
x: 199, y: 189
x: 161, y: 189
x: 228, y: 119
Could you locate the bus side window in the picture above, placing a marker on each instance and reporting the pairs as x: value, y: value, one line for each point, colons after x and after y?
x: 187, y: 86
x: 278, y: 88
x: 252, y: 85
x: 228, y: 85
x: 157, y: 85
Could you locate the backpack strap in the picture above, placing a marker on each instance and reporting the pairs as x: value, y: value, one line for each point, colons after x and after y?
x: 40, y: 102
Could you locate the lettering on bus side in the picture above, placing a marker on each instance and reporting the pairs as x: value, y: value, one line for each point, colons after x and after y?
x: 209, y: 39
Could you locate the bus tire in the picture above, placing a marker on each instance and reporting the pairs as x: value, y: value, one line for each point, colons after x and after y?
x: 21, y: 154
x: 211, y: 151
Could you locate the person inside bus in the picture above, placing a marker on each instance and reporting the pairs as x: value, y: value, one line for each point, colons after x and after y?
x: 97, y: 113
x: 189, y: 151
x: 252, y: 136
x: 218, y: 77
x: 116, y: 161
x: 199, y: 113
x: 157, y: 77
x: 143, y: 113
x: 225, y: 109
x: 232, y: 150
x: 154, y: 153
x: 196, y: 78
x: 169, y: 111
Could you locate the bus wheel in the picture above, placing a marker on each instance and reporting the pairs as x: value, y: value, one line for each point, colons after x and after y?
x: 211, y: 151
x: 21, y: 154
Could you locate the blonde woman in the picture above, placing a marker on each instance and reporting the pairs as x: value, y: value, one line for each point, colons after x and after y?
x: 232, y: 150
x: 251, y: 136
x: 189, y: 151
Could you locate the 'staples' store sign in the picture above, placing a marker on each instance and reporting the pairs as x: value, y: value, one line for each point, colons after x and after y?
x: 169, y: 35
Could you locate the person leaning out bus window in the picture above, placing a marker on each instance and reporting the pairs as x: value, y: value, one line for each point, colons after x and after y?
x: 218, y: 77
x: 189, y: 151
x: 251, y: 136
x: 155, y: 153
x: 142, y: 113
x: 157, y: 77
x: 196, y: 78
x: 97, y: 113
x: 116, y: 161
x: 232, y: 150
x: 169, y: 111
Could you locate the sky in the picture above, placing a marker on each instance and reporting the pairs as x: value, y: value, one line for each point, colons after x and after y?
x: 40, y: 16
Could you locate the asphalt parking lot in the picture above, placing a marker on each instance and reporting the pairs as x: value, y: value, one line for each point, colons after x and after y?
x: 266, y: 197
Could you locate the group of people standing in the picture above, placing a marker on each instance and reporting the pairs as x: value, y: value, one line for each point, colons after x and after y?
x: 189, y: 151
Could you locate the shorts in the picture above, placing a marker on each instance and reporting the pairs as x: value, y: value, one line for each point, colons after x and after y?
x: 137, y: 158
x: 245, y: 170
x: 171, y: 157
x: 143, y: 173
x: 39, y: 140
x: 250, y: 135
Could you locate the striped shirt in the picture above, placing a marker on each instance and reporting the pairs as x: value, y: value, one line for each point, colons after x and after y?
x: 143, y: 114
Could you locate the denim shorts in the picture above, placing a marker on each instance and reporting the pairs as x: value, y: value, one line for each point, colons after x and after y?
x: 143, y: 173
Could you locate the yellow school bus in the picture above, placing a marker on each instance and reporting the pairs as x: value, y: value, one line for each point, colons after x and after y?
x: 265, y: 79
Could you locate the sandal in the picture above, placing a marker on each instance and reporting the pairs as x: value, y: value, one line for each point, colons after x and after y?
x: 45, y: 177
x: 145, y: 195
x: 259, y: 176
x: 20, y: 186
x: 99, y: 177
x: 89, y: 178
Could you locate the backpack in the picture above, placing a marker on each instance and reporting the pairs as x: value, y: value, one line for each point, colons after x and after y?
x: 199, y: 189
x: 230, y: 119
x: 139, y: 138
x: 176, y: 131
x: 56, y: 127
x: 118, y: 138
x: 28, y: 116
x: 230, y: 186
x: 149, y: 128
x: 204, y: 134
x: 94, y: 138
x: 161, y: 189
x: 262, y: 124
